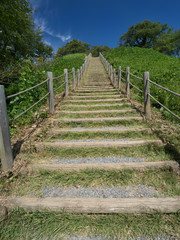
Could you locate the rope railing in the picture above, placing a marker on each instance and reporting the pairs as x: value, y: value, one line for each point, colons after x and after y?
x: 5, y: 141
x: 59, y: 87
x: 28, y: 109
x: 55, y: 78
x: 27, y: 90
x: 136, y: 76
x: 167, y: 109
x: 167, y: 90
x: 136, y: 87
x: 146, y: 90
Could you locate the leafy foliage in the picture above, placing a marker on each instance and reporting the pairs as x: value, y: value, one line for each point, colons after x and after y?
x: 30, y: 75
x: 18, y: 37
x: 163, y: 69
x: 155, y: 35
x: 72, y: 47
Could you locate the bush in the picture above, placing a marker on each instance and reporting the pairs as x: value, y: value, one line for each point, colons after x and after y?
x: 163, y: 70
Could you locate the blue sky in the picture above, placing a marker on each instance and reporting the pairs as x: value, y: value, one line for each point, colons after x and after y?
x: 99, y: 22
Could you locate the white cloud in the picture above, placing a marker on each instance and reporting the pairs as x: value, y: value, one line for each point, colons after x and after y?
x: 42, y: 22
x: 47, y: 42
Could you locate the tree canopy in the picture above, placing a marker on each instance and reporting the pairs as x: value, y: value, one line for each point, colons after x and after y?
x: 76, y: 46
x: 73, y: 46
x: 154, y: 35
x: 18, y: 36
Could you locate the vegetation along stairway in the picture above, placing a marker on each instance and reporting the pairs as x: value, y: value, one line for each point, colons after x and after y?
x: 98, y: 155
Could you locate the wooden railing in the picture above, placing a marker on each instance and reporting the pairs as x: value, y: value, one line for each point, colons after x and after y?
x: 146, y: 91
x: 6, y: 155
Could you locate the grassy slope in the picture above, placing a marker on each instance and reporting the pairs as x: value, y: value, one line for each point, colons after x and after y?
x: 163, y: 69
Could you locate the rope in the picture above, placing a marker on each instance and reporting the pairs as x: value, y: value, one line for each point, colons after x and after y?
x: 54, y: 78
x: 176, y: 94
x: 59, y: 87
x: 167, y: 109
x: 136, y: 76
x: 28, y: 109
x: 17, y: 94
x: 136, y: 87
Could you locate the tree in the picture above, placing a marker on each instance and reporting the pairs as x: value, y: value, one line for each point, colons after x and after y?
x: 151, y: 35
x: 18, y: 37
x: 97, y: 49
x: 73, y: 46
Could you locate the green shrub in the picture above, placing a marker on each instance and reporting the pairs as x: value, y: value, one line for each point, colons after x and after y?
x: 163, y: 69
x: 31, y: 74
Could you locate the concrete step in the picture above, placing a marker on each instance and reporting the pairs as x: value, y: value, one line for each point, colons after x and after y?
x: 98, y: 100
x: 96, y: 96
x: 98, y: 143
x: 141, y: 166
x: 94, y: 205
x: 99, y: 105
x: 100, y: 119
x: 99, y: 111
x: 98, y: 130
x: 96, y: 90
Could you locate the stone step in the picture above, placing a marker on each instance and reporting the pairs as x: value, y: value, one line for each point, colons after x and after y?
x: 97, y: 96
x: 97, y: 130
x: 94, y: 94
x: 141, y: 166
x: 99, y: 111
x: 98, y: 100
x: 98, y: 143
x: 99, y: 105
x: 96, y: 90
x: 99, y: 119
x: 94, y: 205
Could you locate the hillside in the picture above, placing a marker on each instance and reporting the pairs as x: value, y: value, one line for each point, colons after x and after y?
x: 163, y: 69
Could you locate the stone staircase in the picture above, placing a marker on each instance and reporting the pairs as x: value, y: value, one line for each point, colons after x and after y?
x: 95, y: 126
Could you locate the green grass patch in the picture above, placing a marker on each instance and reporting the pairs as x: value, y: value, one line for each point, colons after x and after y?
x: 50, y: 225
x: 78, y: 108
x: 149, y: 152
x: 164, y: 180
x: 91, y: 115
x: 124, y: 123
x: 94, y: 103
x: 102, y: 135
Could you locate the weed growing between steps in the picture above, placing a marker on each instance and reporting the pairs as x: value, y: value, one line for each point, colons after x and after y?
x: 119, y: 123
x: 100, y: 115
x: 103, y: 135
x: 75, y: 102
x: 50, y: 225
x: 149, y: 152
x: 88, y: 108
x: 164, y: 180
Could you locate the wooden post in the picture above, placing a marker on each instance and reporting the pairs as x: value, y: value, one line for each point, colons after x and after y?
x: 73, y: 75
x: 66, y: 82
x: 127, y: 83
x: 119, y: 77
x: 51, y: 92
x: 83, y: 68
x: 5, y: 141
x: 81, y: 74
x: 111, y: 74
x: 147, y: 103
x: 78, y: 77
x: 109, y: 69
x: 114, y: 78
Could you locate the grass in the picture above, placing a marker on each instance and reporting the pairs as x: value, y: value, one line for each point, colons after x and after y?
x: 149, y: 152
x: 91, y: 115
x: 164, y: 180
x: 92, y: 102
x: 87, y: 108
x: 50, y: 225
x: 101, y: 135
x: 112, y: 123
